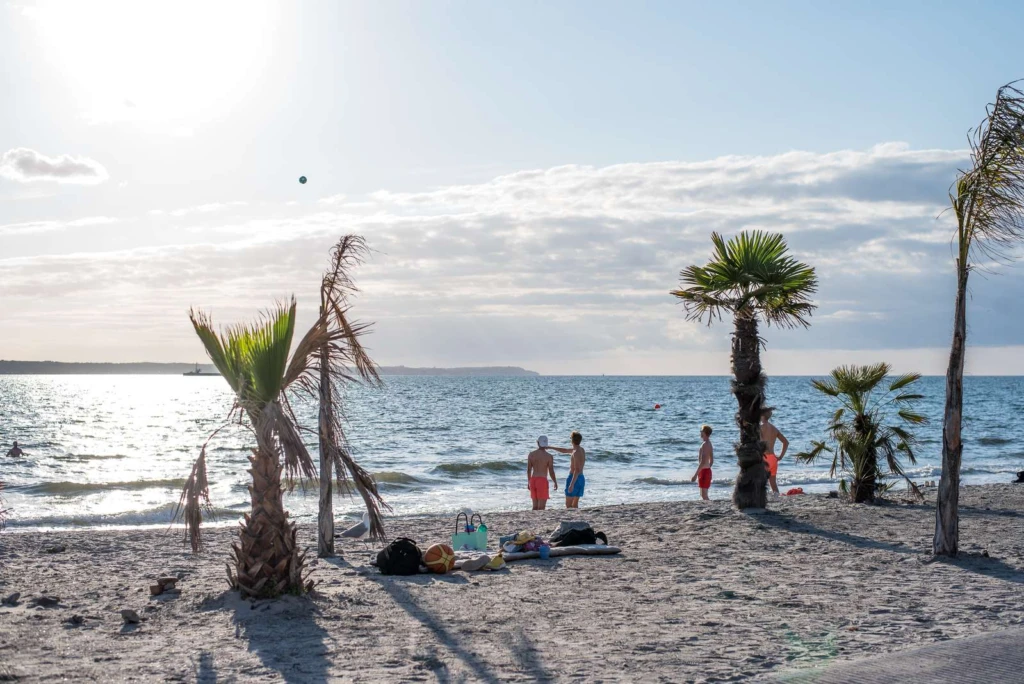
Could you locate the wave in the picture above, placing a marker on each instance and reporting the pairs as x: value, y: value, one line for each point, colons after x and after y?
x: 89, y: 457
x: 671, y: 441
x: 460, y: 469
x: 159, y: 515
x: 397, y: 478
x: 661, y: 482
x: 995, y: 441
x: 82, y: 488
x: 602, y: 456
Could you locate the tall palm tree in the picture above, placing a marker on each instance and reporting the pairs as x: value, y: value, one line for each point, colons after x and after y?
x: 259, y: 364
x: 988, y: 201
x: 870, y: 431
x: 753, y: 278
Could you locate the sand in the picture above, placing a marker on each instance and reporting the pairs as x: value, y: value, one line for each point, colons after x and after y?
x: 701, y: 593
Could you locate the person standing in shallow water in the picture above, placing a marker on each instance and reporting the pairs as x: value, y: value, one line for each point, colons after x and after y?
x: 540, y: 464
x: 707, y: 459
x: 575, y: 483
x: 15, y: 451
x: 769, y: 435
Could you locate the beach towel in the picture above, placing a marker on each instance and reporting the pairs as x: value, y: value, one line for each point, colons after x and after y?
x: 581, y: 550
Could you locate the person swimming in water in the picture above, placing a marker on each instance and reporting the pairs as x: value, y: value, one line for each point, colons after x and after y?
x: 15, y: 451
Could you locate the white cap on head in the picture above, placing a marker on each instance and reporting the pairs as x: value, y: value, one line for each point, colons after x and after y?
x: 542, y: 441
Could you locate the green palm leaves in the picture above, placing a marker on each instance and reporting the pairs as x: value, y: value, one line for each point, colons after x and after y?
x: 750, y: 275
x: 252, y: 357
x: 871, y: 431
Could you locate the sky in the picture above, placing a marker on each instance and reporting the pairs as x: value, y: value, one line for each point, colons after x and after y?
x: 531, y: 177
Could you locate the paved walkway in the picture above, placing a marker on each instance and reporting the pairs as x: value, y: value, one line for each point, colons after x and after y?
x: 983, y: 659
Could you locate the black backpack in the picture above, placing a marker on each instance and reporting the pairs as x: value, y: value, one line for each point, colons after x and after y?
x: 578, y: 537
x: 400, y: 557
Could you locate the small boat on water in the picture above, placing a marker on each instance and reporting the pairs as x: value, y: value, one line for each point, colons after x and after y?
x: 198, y: 371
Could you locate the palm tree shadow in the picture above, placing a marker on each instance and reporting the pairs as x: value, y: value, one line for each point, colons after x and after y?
x: 206, y: 673
x: 529, y: 658
x: 298, y: 657
x: 788, y: 523
x: 970, y: 562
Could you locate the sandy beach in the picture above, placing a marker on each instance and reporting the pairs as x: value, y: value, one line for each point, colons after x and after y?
x: 702, y: 592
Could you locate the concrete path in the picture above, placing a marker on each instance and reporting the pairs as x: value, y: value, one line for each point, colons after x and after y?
x: 983, y: 659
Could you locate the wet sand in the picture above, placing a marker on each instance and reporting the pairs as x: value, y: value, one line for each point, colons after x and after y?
x: 701, y: 593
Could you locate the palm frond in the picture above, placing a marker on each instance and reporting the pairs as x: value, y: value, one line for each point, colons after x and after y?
x: 751, y: 274
x: 194, y: 501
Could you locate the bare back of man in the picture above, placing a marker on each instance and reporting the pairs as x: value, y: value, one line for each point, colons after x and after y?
x: 539, y: 465
x: 770, y: 435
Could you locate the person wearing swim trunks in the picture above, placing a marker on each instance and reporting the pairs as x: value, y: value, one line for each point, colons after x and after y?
x: 575, y: 483
x: 769, y: 435
x: 706, y: 459
x: 540, y: 461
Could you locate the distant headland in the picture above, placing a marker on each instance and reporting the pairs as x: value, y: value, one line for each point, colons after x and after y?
x: 61, y: 368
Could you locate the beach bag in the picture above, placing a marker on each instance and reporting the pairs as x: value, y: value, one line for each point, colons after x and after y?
x: 578, y: 537
x: 400, y: 557
x: 469, y: 535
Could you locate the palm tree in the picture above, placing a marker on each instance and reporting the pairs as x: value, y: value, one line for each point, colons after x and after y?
x: 753, y: 278
x: 255, y: 361
x: 870, y: 432
x: 988, y: 201
x: 335, y: 290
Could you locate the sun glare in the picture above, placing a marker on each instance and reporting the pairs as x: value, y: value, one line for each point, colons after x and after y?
x: 168, y: 64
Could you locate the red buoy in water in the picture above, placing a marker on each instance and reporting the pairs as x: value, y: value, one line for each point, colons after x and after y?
x: 657, y: 406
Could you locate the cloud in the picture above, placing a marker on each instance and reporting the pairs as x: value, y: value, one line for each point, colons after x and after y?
x: 30, y: 227
x: 208, y: 208
x: 562, y: 268
x: 26, y: 166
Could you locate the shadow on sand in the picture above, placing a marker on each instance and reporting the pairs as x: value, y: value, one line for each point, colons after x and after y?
x: 524, y: 651
x: 786, y: 522
x: 301, y: 657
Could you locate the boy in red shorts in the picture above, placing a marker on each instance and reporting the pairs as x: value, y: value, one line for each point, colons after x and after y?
x: 540, y: 464
x: 707, y: 459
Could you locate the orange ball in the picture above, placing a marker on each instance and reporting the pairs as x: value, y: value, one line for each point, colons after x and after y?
x: 439, y: 558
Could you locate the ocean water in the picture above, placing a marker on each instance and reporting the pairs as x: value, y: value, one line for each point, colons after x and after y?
x: 115, y: 450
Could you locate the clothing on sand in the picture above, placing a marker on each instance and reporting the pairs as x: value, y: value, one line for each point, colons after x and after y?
x: 773, y: 464
x: 579, y: 483
x: 539, y: 488
x: 704, y: 478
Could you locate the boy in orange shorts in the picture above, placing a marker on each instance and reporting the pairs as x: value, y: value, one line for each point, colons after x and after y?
x: 540, y: 464
x: 707, y: 459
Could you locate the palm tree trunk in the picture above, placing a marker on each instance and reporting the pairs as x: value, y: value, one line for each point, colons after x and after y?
x: 325, y: 517
x: 748, y: 388
x: 947, y: 515
x: 864, y: 484
x: 267, y: 558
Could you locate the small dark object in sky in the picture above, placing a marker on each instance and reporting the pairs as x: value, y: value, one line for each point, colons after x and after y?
x: 302, y: 179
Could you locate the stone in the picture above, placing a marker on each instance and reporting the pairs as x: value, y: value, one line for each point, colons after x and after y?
x: 45, y: 601
x: 56, y: 548
x: 12, y: 600
x: 130, y: 617
x: 167, y: 582
x: 75, y: 620
x: 156, y: 589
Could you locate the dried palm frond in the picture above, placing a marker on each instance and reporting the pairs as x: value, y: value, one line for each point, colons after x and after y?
x: 195, y: 499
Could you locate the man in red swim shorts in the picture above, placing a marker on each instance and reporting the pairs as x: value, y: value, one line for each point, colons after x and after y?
x: 707, y: 459
x: 769, y: 435
x: 540, y: 464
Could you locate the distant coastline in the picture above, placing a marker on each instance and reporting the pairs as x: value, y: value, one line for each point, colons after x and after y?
x: 62, y: 368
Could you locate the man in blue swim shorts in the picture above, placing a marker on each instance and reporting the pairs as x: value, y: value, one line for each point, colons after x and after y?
x: 574, y: 481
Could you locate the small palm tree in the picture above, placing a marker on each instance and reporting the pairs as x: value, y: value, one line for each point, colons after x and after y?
x: 870, y: 432
x: 988, y: 201
x: 752, y: 277
x: 259, y: 364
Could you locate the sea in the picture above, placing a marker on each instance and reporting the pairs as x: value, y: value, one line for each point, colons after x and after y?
x: 114, y: 451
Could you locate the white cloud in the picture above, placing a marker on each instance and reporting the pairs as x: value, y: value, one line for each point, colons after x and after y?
x: 567, y: 267
x: 29, y: 227
x: 25, y: 166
